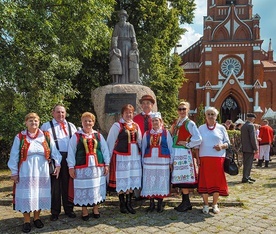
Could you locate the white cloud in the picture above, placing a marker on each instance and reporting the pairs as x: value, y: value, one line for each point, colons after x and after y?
x: 190, y: 37
x: 201, y: 10
x: 195, y: 30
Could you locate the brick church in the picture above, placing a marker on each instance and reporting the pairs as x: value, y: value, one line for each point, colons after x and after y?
x: 227, y: 67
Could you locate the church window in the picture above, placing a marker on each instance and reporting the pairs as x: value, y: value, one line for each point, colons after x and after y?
x: 229, y: 104
x: 230, y: 64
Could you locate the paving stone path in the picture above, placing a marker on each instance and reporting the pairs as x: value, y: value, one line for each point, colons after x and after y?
x: 250, y: 208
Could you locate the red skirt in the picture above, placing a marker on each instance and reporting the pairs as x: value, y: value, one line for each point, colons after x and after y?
x: 212, y: 177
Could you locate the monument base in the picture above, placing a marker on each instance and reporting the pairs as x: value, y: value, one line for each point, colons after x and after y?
x: 108, y: 101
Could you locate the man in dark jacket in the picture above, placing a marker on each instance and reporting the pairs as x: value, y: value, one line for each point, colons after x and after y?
x: 249, y: 147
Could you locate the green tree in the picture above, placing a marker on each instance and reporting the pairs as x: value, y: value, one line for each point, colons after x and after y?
x: 43, y: 45
x: 201, y: 115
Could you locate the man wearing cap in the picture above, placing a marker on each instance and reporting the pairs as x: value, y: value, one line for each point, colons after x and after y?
x: 143, y: 119
x: 249, y: 147
x: 125, y: 34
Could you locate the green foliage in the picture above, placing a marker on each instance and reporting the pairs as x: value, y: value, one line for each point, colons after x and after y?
x: 219, y: 118
x: 201, y: 115
x: 235, y: 137
x: 56, y: 51
x: 43, y: 48
x: 234, y: 133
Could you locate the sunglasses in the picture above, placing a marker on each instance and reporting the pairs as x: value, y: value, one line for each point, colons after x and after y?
x: 182, y: 109
x: 211, y: 114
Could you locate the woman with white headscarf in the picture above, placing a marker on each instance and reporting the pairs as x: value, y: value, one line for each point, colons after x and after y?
x: 156, y: 155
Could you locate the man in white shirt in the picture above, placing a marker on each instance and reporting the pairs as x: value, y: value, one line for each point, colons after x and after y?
x: 61, y: 131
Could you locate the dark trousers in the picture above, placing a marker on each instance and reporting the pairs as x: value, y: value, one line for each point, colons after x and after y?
x: 247, y: 164
x: 59, y: 189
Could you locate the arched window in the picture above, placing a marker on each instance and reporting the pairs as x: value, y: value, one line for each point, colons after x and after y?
x: 229, y: 104
x: 230, y: 109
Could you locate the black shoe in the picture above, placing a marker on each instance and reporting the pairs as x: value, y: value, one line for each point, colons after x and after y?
x: 71, y: 214
x: 96, y: 216
x: 160, y: 207
x: 260, y: 163
x: 184, y: 208
x: 122, y: 203
x: 26, y: 227
x: 247, y: 181
x: 38, y: 223
x: 54, y: 217
x: 251, y: 179
x: 185, y: 205
x: 85, y: 218
x: 151, y: 206
x: 140, y: 198
x: 128, y: 204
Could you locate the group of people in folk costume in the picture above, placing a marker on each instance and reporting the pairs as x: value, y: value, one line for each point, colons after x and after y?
x: 139, y: 156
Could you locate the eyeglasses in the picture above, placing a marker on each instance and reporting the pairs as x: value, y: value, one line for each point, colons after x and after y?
x: 211, y: 114
x: 181, y: 109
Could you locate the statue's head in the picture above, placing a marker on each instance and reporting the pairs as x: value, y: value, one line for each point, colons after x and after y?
x: 122, y: 13
x: 134, y: 45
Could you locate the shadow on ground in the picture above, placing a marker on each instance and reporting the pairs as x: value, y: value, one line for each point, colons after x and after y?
x: 111, y: 219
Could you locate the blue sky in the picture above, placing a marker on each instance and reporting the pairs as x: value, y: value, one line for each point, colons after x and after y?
x: 266, y: 9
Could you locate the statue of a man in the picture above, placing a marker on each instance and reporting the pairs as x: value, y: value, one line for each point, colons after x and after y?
x: 125, y: 33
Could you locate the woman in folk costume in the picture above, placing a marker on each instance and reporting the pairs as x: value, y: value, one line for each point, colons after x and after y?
x: 212, y: 151
x: 124, y: 143
x: 88, y: 161
x: 185, y: 137
x: 29, y: 164
x: 156, y: 152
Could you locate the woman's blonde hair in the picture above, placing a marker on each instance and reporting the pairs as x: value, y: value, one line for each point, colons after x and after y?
x: 88, y: 114
x: 187, y: 104
x: 32, y: 115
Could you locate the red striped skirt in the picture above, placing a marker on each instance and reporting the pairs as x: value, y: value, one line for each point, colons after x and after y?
x: 212, y: 177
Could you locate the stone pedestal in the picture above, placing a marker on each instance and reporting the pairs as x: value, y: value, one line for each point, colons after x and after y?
x: 106, y: 119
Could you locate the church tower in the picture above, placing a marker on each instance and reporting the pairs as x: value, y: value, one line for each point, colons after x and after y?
x: 227, y: 68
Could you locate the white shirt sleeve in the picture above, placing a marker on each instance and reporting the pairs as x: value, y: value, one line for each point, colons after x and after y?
x: 14, y: 156
x: 139, y: 137
x: 144, y: 146
x: 196, y: 138
x: 225, y: 136
x: 105, y: 151
x: 73, y: 128
x: 72, y: 149
x: 112, y: 137
x: 55, y: 154
x: 170, y: 143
